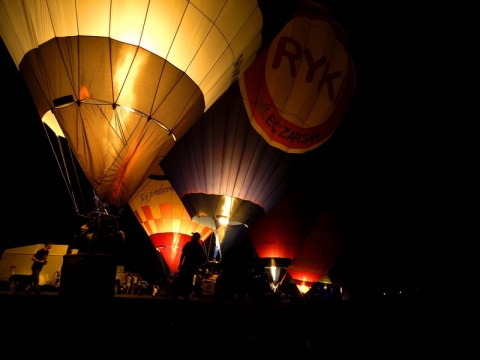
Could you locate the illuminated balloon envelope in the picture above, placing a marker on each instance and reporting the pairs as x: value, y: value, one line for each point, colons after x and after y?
x: 277, y: 236
x: 122, y: 79
x: 317, y: 254
x: 165, y: 220
x: 299, y: 88
x: 223, y: 170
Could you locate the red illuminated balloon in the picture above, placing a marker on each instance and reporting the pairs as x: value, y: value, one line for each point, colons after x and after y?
x: 317, y: 254
x: 277, y: 236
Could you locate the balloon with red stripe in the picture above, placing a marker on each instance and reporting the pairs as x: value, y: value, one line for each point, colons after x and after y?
x: 165, y: 220
x: 298, y: 89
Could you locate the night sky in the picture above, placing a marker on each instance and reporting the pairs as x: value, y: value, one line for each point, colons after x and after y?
x: 389, y: 173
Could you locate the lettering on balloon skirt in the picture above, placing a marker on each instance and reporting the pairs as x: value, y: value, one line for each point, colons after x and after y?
x: 282, y: 129
x: 148, y: 195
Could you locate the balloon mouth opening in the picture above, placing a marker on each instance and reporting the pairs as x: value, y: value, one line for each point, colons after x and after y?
x: 67, y: 100
x: 222, y: 219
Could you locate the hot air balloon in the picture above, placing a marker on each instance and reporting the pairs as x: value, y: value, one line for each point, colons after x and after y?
x: 317, y: 254
x: 121, y: 80
x: 165, y: 220
x: 221, y: 169
x: 224, y: 171
x: 278, y: 235
x: 300, y: 87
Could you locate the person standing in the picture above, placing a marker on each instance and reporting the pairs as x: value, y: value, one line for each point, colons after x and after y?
x: 39, y: 260
x: 192, y: 257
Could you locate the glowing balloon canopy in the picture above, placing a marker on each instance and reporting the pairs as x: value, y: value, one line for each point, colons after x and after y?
x: 294, y: 95
x: 299, y: 88
x: 239, y: 159
x: 121, y: 80
x: 277, y: 236
x: 317, y: 254
x: 223, y: 169
x: 165, y: 220
x: 224, y: 172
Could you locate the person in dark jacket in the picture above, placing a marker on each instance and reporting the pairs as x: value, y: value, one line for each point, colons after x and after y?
x: 39, y: 260
x: 193, y: 255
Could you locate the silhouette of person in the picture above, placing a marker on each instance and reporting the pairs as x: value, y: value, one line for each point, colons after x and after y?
x: 39, y: 260
x: 192, y: 257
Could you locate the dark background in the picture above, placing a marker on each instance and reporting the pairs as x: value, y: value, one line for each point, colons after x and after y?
x: 397, y: 173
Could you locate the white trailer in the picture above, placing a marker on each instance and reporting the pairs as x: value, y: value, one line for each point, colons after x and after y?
x: 16, y: 265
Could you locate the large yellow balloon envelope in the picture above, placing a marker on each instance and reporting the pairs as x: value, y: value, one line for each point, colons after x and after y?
x: 122, y: 79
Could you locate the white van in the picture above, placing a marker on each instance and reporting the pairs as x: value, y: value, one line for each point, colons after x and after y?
x: 16, y: 266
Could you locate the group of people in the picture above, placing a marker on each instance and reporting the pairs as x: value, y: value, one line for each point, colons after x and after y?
x: 193, y: 255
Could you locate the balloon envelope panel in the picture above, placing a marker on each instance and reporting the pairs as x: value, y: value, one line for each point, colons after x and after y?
x: 88, y: 64
x: 297, y: 91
